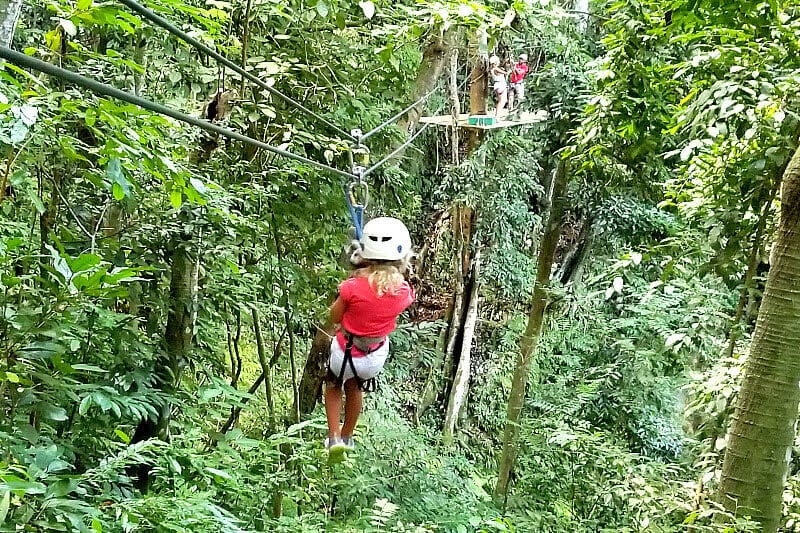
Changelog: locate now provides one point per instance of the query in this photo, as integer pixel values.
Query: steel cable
(164, 23)
(390, 121)
(23, 60)
(410, 140)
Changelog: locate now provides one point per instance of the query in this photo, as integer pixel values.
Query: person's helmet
(385, 239)
(523, 57)
(494, 60)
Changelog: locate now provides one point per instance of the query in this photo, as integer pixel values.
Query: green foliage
(676, 131)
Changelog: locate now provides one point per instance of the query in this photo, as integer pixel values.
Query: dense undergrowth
(105, 208)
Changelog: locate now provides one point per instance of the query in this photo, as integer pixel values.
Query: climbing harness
(366, 385)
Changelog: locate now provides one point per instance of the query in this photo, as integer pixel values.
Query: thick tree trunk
(245, 44)
(182, 309)
(533, 331)
(458, 393)
(9, 10)
(434, 60)
(582, 14)
(140, 58)
(462, 221)
(762, 430)
(572, 267)
(478, 89)
(293, 366)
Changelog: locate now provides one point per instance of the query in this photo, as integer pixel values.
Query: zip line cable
(95, 86)
(397, 150)
(390, 121)
(171, 28)
(410, 140)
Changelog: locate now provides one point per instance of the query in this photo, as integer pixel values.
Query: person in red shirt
(518, 74)
(366, 310)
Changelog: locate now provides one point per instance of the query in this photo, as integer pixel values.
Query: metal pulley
(359, 151)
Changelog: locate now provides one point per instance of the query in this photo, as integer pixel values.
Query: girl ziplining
(366, 312)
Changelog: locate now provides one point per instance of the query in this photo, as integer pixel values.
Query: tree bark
(533, 331)
(582, 14)
(458, 393)
(572, 266)
(434, 59)
(462, 221)
(762, 430)
(140, 57)
(265, 368)
(178, 337)
(182, 309)
(315, 369)
(456, 106)
(293, 366)
(245, 44)
(478, 89)
(10, 10)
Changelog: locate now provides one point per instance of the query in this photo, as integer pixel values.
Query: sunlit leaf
(368, 7)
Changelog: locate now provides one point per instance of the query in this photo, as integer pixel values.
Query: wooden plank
(526, 117)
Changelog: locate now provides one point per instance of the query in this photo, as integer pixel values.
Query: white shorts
(519, 90)
(367, 366)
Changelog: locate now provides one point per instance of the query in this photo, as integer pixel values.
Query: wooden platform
(526, 117)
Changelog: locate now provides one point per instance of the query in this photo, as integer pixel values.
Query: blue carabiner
(356, 209)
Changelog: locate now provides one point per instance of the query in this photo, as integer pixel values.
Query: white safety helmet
(494, 60)
(523, 57)
(385, 239)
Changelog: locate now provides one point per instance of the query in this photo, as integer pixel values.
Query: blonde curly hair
(385, 277)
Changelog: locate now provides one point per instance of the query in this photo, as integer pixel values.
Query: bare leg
(352, 407)
(501, 103)
(333, 409)
(510, 98)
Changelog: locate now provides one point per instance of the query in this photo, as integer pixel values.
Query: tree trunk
(434, 59)
(265, 369)
(572, 266)
(314, 372)
(293, 366)
(458, 393)
(462, 221)
(178, 337)
(456, 106)
(10, 10)
(245, 44)
(582, 15)
(762, 430)
(533, 331)
(182, 309)
(140, 58)
(478, 89)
